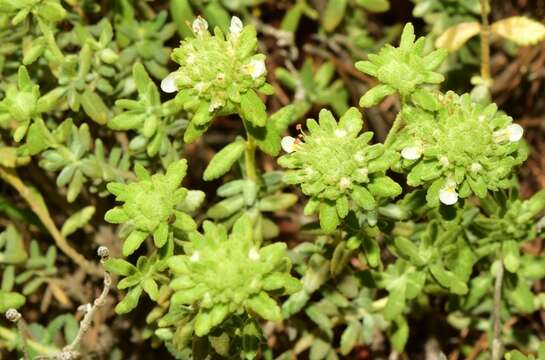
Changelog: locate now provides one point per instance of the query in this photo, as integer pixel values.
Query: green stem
(496, 346)
(394, 129)
(249, 158)
(485, 41)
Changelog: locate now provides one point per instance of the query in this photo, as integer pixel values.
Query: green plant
(113, 133)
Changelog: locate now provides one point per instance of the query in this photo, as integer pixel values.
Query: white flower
(359, 157)
(253, 254)
(215, 104)
(200, 86)
(345, 183)
(199, 26)
(515, 132)
(236, 27)
(195, 257)
(340, 133)
(411, 152)
(288, 144)
(448, 194)
(255, 68)
(476, 167)
(168, 84)
(511, 133)
(444, 161)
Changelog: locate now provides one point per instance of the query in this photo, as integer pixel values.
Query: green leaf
(375, 5)
(448, 279)
(129, 302)
(375, 95)
(399, 334)
(119, 267)
(511, 255)
(322, 320)
(94, 107)
(222, 162)
(408, 249)
(77, 220)
(350, 337)
(38, 138)
(253, 109)
(264, 306)
(329, 219)
(10, 300)
(333, 14)
(226, 208)
(277, 202)
(363, 198)
(133, 242)
(384, 187)
(182, 14)
(396, 301)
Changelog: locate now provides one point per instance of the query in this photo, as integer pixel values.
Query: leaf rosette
(336, 166)
(223, 274)
(404, 70)
(463, 148)
(150, 206)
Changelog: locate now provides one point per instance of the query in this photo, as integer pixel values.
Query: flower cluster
(218, 74)
(225, 275)
(462, 148)
(404, 70)
(150, 206)
(335, 165)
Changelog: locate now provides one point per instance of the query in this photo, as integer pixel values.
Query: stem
(39, 208)
(90, 310)
(497, 348)
(393, 130)
(249, 158)
(485, 41)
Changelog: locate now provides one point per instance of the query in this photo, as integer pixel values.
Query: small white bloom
(448, 194)
(515, 132)
(168, 84)
(253, 254)
(199, 26)
(255, 68)
(412, 152)
(200, 86)
(288, 144)
(215, 104)
(340, 133)
(444, 161)
(236, 27)
(362, 175)
(359, 157)
(345, 183)
(476, 167)
(195, 257)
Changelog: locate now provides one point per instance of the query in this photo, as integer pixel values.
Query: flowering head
(463, 148)
(216, 72)
(225, 274)
(336, 166)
